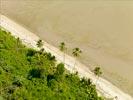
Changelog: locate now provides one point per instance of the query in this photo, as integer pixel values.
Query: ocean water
(102, 29)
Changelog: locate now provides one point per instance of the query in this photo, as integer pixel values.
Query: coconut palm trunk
(97, 71)
(63, 49)
(74, 67)
(76, 53)
(64, 57)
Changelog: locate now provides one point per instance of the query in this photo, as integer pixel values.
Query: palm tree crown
(76, 52)
(97, 71)
(62, 46)
(39, 43)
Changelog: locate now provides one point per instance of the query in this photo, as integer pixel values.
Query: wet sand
(103, 30)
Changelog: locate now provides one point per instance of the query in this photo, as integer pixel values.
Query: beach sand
(102, 29)
(104, 87)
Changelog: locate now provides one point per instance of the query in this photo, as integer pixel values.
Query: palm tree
(76, 53)
(97, 71)
(63, 48)
(39, 43)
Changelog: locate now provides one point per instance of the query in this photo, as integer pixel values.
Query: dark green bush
(36, 73)
(60, 69)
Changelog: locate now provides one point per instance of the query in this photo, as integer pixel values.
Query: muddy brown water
(102, 29)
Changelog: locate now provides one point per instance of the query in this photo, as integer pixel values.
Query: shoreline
(29, 39)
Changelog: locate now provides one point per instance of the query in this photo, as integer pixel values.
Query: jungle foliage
(27, 74)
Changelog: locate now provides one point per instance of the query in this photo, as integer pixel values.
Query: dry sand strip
(30, 39)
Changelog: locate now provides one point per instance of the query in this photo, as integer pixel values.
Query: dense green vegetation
(27, 74)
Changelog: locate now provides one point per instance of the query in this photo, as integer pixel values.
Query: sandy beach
(29, 38)
(102, 29)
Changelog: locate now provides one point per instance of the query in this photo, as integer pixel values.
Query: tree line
(75, 52)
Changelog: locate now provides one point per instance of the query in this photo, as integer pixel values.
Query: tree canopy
(27, 74)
